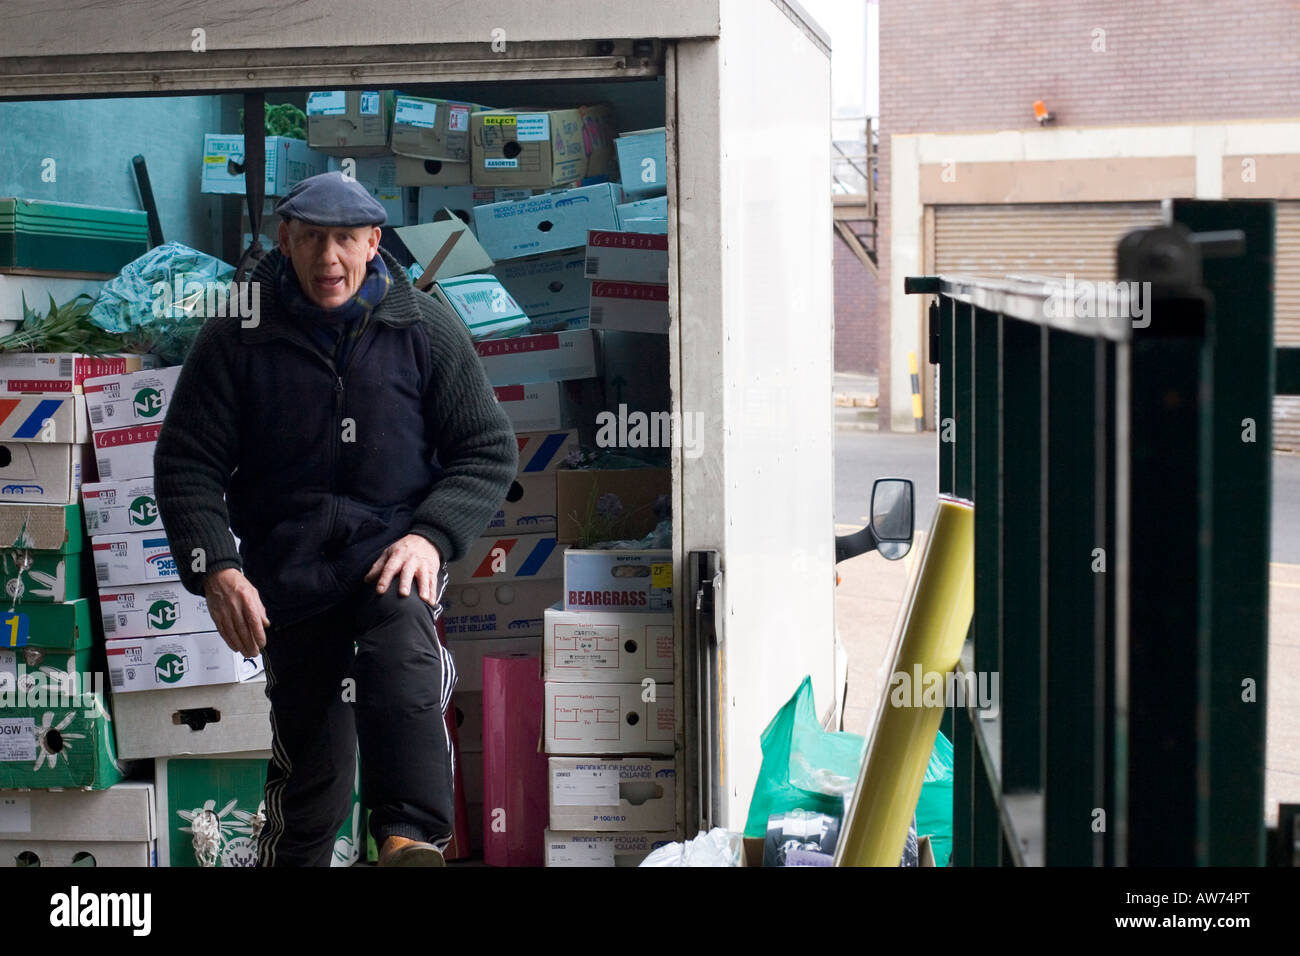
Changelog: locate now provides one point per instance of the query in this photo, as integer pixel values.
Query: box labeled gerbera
(618, 580)
(116, 507)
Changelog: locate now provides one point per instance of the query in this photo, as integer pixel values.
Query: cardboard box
(546, 223)
(431, 128)
(607, 646)
(209, 719)
(124, 813)
(549, 406)
(627, 257)
(468, 709)
(542, 453)
(41, 527)
(642, 209)
(349, 122)
(482, 303)
(232, 786)
(138, 557)
(122, 453)
(573, 848)
(45, 656)
(530, 359)
(48, 418)
(116, 507)
(629, 307)
(447, 245)
(630, 515)
(101, 853)
(529, 508)
(498, 609)
(620, 580)
(461, 199)
(288, 162)
(34, 372)
(541, 148)
(147, 610)
(41, 576)
(136, 398)
(44, 747)
(652, 227)
(468, 656)
(500, 558)
(599, 793)
(378, 174)
(607, 719)
(643, 162)
(176, 660)
(413, 171)
(550, 288)
(40, 472)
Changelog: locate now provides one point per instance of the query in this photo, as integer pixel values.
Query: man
(360, 449)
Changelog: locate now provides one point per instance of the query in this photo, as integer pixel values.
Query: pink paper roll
(515, 809)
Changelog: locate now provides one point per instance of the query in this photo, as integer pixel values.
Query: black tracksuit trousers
(388, 697)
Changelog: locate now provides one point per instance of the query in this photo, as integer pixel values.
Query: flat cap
(331, 199)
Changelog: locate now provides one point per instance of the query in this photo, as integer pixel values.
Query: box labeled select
(607, 646)
(541, 148)
(607, 719)
(602, 793)
(618, 580)
(546, 223)
(43, 472)
(176, 660)
(117, 507)
(136, 398)
(576, 848)
(530, 359)
(629, 307)
(141, 557)
(288, 162)
(149, 610)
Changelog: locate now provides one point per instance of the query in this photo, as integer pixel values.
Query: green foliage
(284, 119)
(66, 328)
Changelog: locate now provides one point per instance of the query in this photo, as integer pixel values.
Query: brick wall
(857, 306)
(948, 65)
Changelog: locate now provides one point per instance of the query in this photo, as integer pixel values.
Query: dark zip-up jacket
(324, 467)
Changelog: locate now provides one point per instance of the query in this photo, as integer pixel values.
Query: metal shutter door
(1286, 318)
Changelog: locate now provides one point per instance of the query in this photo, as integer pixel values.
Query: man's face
(330, 261)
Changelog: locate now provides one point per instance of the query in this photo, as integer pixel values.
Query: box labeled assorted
(549, 288)
(546, 406)
(349, 122)
(136, 398)
(209, 719)
(232, 786)
(611, 503)
(574, 848)
(643, 162)
(40, 472)
(531, 359)
(122, 453)
(541, 148)
(498, 558)
(607, 646)
(143, 557)
(288, 162)
(529, 507)
(482, 303)
(431, 128)
(176, 660)
(469, 654)
(626, 256)
(618, 580)
(113, 827)
(629, 307)
(34, 372)
(46, 417)
(600, 793)
(146, 610)
(117, 507)
(65, 746)
(547, 223)
(378, 174)
(608, 719)
(512, 608)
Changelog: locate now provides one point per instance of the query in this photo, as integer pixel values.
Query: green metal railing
(1119, 461)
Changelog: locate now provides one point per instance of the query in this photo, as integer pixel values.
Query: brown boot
(400, 851)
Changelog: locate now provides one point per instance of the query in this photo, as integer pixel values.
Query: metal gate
(1118, 455)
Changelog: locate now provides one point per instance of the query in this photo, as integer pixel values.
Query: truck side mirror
(892, 517)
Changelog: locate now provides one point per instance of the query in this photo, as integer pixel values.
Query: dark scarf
(335, 331)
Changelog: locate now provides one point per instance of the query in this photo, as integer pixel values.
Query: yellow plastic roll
(938, 618)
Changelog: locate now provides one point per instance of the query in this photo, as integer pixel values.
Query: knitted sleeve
(476, 445)
(197, 451)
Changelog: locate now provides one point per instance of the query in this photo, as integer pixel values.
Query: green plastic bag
(934, 808)
(804, 767)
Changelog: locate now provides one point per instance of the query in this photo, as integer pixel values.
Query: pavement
(870, 596)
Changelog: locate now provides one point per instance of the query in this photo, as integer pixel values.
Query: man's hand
(410, 558)
(237, 610)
